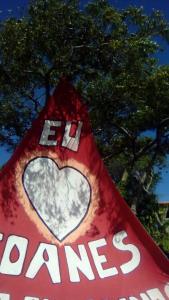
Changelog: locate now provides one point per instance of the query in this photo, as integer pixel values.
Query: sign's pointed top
(66, 102)
(64, 82)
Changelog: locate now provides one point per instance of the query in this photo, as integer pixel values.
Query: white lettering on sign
(75, 263)
(48, 132)
(4, 296)
(155, 294)
(144, 296)
(31, 298)
(7, 297)
(45, 255)
(167, 289)
(49, 138)
(152, 294)
(130, 298)
(19, 245)
(100, 259)
(118, 243)
(70, 142)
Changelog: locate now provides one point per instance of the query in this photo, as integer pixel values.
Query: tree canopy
(111, 57)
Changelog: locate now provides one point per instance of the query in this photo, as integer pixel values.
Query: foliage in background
(110, 57)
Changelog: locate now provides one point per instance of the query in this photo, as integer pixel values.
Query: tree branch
(123, 130)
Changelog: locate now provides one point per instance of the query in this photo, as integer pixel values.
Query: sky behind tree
(17, 8)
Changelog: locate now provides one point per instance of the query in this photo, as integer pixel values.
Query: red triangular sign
(65, 232)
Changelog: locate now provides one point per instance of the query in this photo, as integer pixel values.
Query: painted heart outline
(61, 196)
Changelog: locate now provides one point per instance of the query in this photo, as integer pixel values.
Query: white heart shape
(61, 197)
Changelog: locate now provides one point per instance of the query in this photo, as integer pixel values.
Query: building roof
(164, 203)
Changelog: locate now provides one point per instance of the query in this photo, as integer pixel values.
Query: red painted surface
(107, 217)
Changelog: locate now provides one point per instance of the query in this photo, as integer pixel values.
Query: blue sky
(18, 7)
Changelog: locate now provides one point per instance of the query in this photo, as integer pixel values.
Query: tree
(110, 56)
